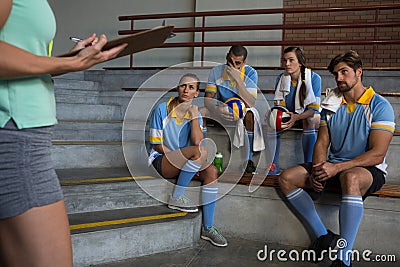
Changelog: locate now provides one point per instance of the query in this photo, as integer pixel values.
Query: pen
(75, 39)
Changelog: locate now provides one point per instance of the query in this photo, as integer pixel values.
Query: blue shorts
(27, 176)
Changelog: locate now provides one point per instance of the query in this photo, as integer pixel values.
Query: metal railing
(203, 29)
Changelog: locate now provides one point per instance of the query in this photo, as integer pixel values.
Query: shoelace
(184, 199)
(214, 230)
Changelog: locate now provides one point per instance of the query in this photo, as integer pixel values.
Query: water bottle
(218, 161)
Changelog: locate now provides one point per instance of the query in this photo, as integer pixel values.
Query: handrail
(273, 27)
(255, 12)
(203, 29)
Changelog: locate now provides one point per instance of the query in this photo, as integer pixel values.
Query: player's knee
(350, 180)
(196, 152)
(311, 122)
(203, 152)
(285, 181)
(210, 175)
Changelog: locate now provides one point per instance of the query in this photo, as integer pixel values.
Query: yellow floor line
(124, 221)
(99, 180)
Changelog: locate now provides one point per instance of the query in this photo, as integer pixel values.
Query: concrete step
(87, 154)
(76, 91)
(79, 111)
(86, 130)
(96, 189)
(120, 97)
(78, 75)
(76, 84)
(115, 235)
(76, 96)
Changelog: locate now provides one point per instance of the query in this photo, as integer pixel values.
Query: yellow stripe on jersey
(156, 139)
(384, 127)
(281, 103)
(323, 123)
(313, 106)
(211, 88)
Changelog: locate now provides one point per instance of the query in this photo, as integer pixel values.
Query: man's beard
(348, 87)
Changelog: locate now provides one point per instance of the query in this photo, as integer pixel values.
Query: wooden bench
(387, 190)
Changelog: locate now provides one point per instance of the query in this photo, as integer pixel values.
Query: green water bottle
(218, 161)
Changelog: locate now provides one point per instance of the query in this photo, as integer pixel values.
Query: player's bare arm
(319, 157)
(196, 134)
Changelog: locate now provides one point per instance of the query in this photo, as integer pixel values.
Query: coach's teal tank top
(29, 101)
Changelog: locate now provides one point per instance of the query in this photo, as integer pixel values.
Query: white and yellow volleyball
(236, 107)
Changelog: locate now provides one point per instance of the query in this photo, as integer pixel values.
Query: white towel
(283, 89)
(332, 100)
(238, 138)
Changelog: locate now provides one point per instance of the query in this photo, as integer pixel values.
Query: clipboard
(137, 42)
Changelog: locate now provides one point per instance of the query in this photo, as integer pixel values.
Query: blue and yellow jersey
(290, 98)
(169, 130)
(219, 82)
(350, 126)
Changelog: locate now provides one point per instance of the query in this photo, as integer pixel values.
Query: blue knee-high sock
(274, 142)
(350, 214)
(250, 135)
(205, 132)
(303, 203)
(209, 197)
(308, 140)
(188, 171)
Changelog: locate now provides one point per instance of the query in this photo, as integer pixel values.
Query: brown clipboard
(137, 42)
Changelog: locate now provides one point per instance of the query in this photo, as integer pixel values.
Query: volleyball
(277, 116)
(236, 107)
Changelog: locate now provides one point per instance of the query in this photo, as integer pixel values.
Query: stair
(112, 218)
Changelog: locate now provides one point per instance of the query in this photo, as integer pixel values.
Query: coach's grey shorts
(27, 176)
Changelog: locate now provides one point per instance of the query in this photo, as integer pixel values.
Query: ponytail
(303, 91)
(172, 105)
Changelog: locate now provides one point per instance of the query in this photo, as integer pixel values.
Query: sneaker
(274, 170)
(182, 203)
(214, 236)
(250, 167)
(339, 263)
(324, 242)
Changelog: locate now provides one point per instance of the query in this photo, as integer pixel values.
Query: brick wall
(387, 55)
